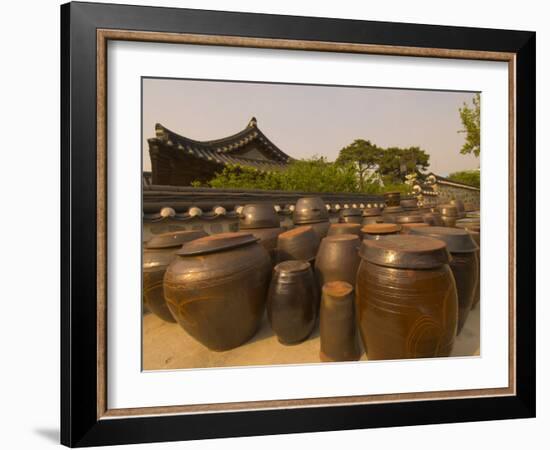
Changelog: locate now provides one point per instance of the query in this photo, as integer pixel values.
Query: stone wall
(448, 192)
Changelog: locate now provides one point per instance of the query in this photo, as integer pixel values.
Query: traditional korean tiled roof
(162, 203)
(227, 150)
(432, 179)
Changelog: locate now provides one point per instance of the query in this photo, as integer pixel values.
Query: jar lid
(410, 218)
(448, 210)
(349, 212)
(292, 266)
(457, 239)
(467, 223)
(406, 252)
(258, 215)
(370, 212)
(344, 228)
(216, 243)
(337, 289)
(310, 210)
(381, 228)
(174, 239)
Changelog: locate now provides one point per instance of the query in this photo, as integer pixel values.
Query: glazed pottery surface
(310, 210)
(464, 264)
(379, 230)
(406, 298)
(216, 288)
(433, 219)
(370, 212)
(350, 215)
(158, 253)
(292, 301)
(409, 204)
(345, 228)
(320, 229)
(267, 238)
(407, 227)
(391, 213)
(459, 205)
(337, 259)
(338, 330)
(300, 243)
(258, 215)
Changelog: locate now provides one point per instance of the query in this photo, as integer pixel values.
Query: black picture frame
(80, 425)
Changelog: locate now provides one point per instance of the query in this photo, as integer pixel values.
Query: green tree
(470, 177)
(363, 155)
(396, 163)
(470, 117)
(310, 175)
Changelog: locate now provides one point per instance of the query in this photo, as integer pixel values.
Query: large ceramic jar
(472, 226)
(433, 218)
(337, 325)
(158, 253)
(216, 288)
(291, 301)
(300, 243)
(406, 299)
(372, 215)
(459, 205)
(345, 228)
(464, 264)
(449, 215)
(312, 211)
(409, 204)
(337, 259)
(350, 215)
(407, 221)
(376, 231)
(391, 213)
(263, 222)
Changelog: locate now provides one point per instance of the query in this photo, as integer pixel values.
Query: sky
(305, 120)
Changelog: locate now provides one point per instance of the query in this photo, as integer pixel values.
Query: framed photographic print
(272, 224)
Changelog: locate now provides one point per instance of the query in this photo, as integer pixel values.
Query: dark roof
(443, 180)
(225, 151)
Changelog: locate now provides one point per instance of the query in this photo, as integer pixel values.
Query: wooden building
(178, 161)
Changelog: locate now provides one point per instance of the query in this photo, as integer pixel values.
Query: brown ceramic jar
(407, 221)
(406, 298)
(459, 205)
(376, 231)
(464, 264)
(216, 288)
(258, 215)
(372, 215)
(158, 253)
(337, 259)
(409, 204)
(433, 218)
(472, 225)
(391, 213)
(338, 330)
(300, 243)
(291, 301)
(449, 215)
(310, 210)
(350, 215)
(345, 228)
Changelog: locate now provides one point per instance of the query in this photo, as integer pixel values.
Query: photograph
(288, 223)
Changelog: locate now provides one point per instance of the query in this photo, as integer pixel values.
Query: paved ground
(168, 346)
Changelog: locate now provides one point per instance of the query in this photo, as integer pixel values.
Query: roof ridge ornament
(253, 122)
